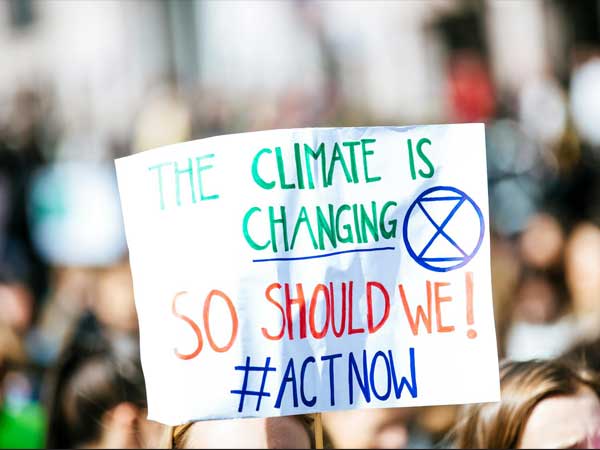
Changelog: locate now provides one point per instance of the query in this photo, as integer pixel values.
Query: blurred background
(84, 82)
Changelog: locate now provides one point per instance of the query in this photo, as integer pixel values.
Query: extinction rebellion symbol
(456, 224)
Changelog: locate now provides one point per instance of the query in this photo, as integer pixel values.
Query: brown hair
(175, 437)
(523, 386)
(93, 374)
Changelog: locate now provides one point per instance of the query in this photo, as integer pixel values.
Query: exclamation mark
(471, 333)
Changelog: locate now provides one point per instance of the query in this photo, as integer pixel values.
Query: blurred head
(539, 298)
(582, 265)
(12, 353)
(272, 432)
(369, 428)
(97, 395)
(113, 304)
(545, 404)
(16, 304)
(542, 241)
(165, 118)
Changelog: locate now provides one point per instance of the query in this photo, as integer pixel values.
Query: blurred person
(375, 428)
(506, 272)
(70, 289)
(22, 420)
(582, 266)
(297, 108)
(113, 303)
(96, 396)
(212, 114)
(16, 305)
(542, 241)
(22, 417)
(538, 328)
(165, 118)
(271, 432)
(11, 349)
(470, 88)
(25, 136)
(538, 299)
(431, 424)
(586, 354)
(545, 404)
(540, 324)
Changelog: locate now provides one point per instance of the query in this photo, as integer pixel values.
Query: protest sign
(305, 270)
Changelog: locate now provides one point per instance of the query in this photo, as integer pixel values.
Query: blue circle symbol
(444, 239)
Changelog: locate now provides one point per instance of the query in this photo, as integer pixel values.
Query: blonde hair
(523, 386)
(176, 437)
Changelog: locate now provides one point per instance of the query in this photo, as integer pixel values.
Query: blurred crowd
(68, 326)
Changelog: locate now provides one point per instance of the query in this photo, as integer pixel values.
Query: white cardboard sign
(305, 270)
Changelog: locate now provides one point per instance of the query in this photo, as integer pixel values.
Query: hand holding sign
(305, 270)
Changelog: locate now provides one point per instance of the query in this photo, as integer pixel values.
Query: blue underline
(325, 255)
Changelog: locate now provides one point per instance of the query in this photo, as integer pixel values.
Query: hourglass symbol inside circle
(443, 229)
